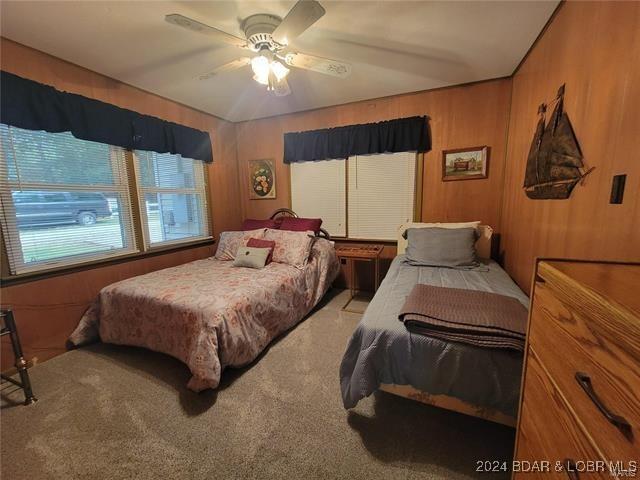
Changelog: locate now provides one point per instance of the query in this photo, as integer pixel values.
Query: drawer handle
(619, 422)
(570, 469)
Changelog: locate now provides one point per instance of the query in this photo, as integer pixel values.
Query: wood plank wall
(593, 47)
(48, 310)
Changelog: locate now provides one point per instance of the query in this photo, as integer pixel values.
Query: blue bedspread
(382, 351)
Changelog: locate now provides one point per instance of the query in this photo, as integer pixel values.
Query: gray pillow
(251, 257)
(442, 247)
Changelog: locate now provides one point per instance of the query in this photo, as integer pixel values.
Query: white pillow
(251, 257)
(443, 225)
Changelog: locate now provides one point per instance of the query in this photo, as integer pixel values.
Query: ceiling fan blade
(327, 66)
(282, 88)
(303, 14)
(227, 67)
(194, 25)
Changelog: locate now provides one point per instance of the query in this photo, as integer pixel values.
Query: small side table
(9, 328)
(363, 253)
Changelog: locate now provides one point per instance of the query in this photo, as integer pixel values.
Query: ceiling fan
(269, 36)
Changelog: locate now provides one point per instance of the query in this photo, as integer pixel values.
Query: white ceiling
(394, 47)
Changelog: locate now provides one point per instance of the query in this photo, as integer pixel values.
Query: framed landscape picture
(262, 179)
(465, 163)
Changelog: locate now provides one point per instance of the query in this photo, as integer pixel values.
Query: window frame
(417, 201)
(140, 192)
(135, 230)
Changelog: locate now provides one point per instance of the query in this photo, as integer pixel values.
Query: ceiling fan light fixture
(261, 80)
(279, 70)
(266, 71)
(260, 66)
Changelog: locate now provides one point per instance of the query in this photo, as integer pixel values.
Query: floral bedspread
(208, 313)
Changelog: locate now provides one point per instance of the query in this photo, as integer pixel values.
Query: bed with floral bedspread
(208, 313)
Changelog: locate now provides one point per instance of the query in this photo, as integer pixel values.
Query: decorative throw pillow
(231, 241)
(292, 248)
(259, 243)
(251, 257)
(442, 247)
(253, 224)
(301, 224)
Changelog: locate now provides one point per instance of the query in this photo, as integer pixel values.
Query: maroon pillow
(253, 224)
(259, 243)
(301, 224)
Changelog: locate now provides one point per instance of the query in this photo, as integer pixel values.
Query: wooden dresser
(580, 402)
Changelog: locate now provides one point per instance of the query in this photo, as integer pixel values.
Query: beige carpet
(118, 412)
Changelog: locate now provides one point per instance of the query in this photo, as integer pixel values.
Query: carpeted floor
(117, 412)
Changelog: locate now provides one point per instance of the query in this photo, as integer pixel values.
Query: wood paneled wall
(463, 116)
(48, 310)
(593, 47)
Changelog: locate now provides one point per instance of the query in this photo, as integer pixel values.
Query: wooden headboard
(287, 212)
(483, 244)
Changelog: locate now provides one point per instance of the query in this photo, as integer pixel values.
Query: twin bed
(383, 355)
(210, 315)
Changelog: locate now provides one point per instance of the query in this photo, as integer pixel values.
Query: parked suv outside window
(54, 208)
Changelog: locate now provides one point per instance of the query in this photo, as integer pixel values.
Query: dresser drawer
(548, 431)
(582, 360)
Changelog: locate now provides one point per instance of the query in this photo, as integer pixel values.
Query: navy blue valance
(401, 135)
(35, 106)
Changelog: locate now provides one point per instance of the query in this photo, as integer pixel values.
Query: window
(67, 201)
(381, 194)
(318, 190)
(173, 198)
(363, 197)
(64, 200)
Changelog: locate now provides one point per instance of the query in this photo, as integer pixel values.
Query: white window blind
(173, 197)
(64, 200)
(318, 190)
(381, 194)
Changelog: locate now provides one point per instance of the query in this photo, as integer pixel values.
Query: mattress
(208, 313)
(382, 351)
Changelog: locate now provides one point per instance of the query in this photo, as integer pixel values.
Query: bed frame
(287, 212)
(483, 247)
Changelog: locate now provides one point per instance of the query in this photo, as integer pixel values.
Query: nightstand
(362, 253)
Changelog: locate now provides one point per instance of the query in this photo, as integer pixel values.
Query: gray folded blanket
(469, 316)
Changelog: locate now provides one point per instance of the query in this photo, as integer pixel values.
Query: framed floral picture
(465, 163)
(262, 179)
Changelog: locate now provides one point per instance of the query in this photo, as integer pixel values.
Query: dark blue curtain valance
(401, 135)
(34, 106)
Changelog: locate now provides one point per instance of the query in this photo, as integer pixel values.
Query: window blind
(318, 190)
(173, 198)
(64, 200)
(380, 195)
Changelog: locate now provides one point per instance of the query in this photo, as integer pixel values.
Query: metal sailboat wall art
(554, 165)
